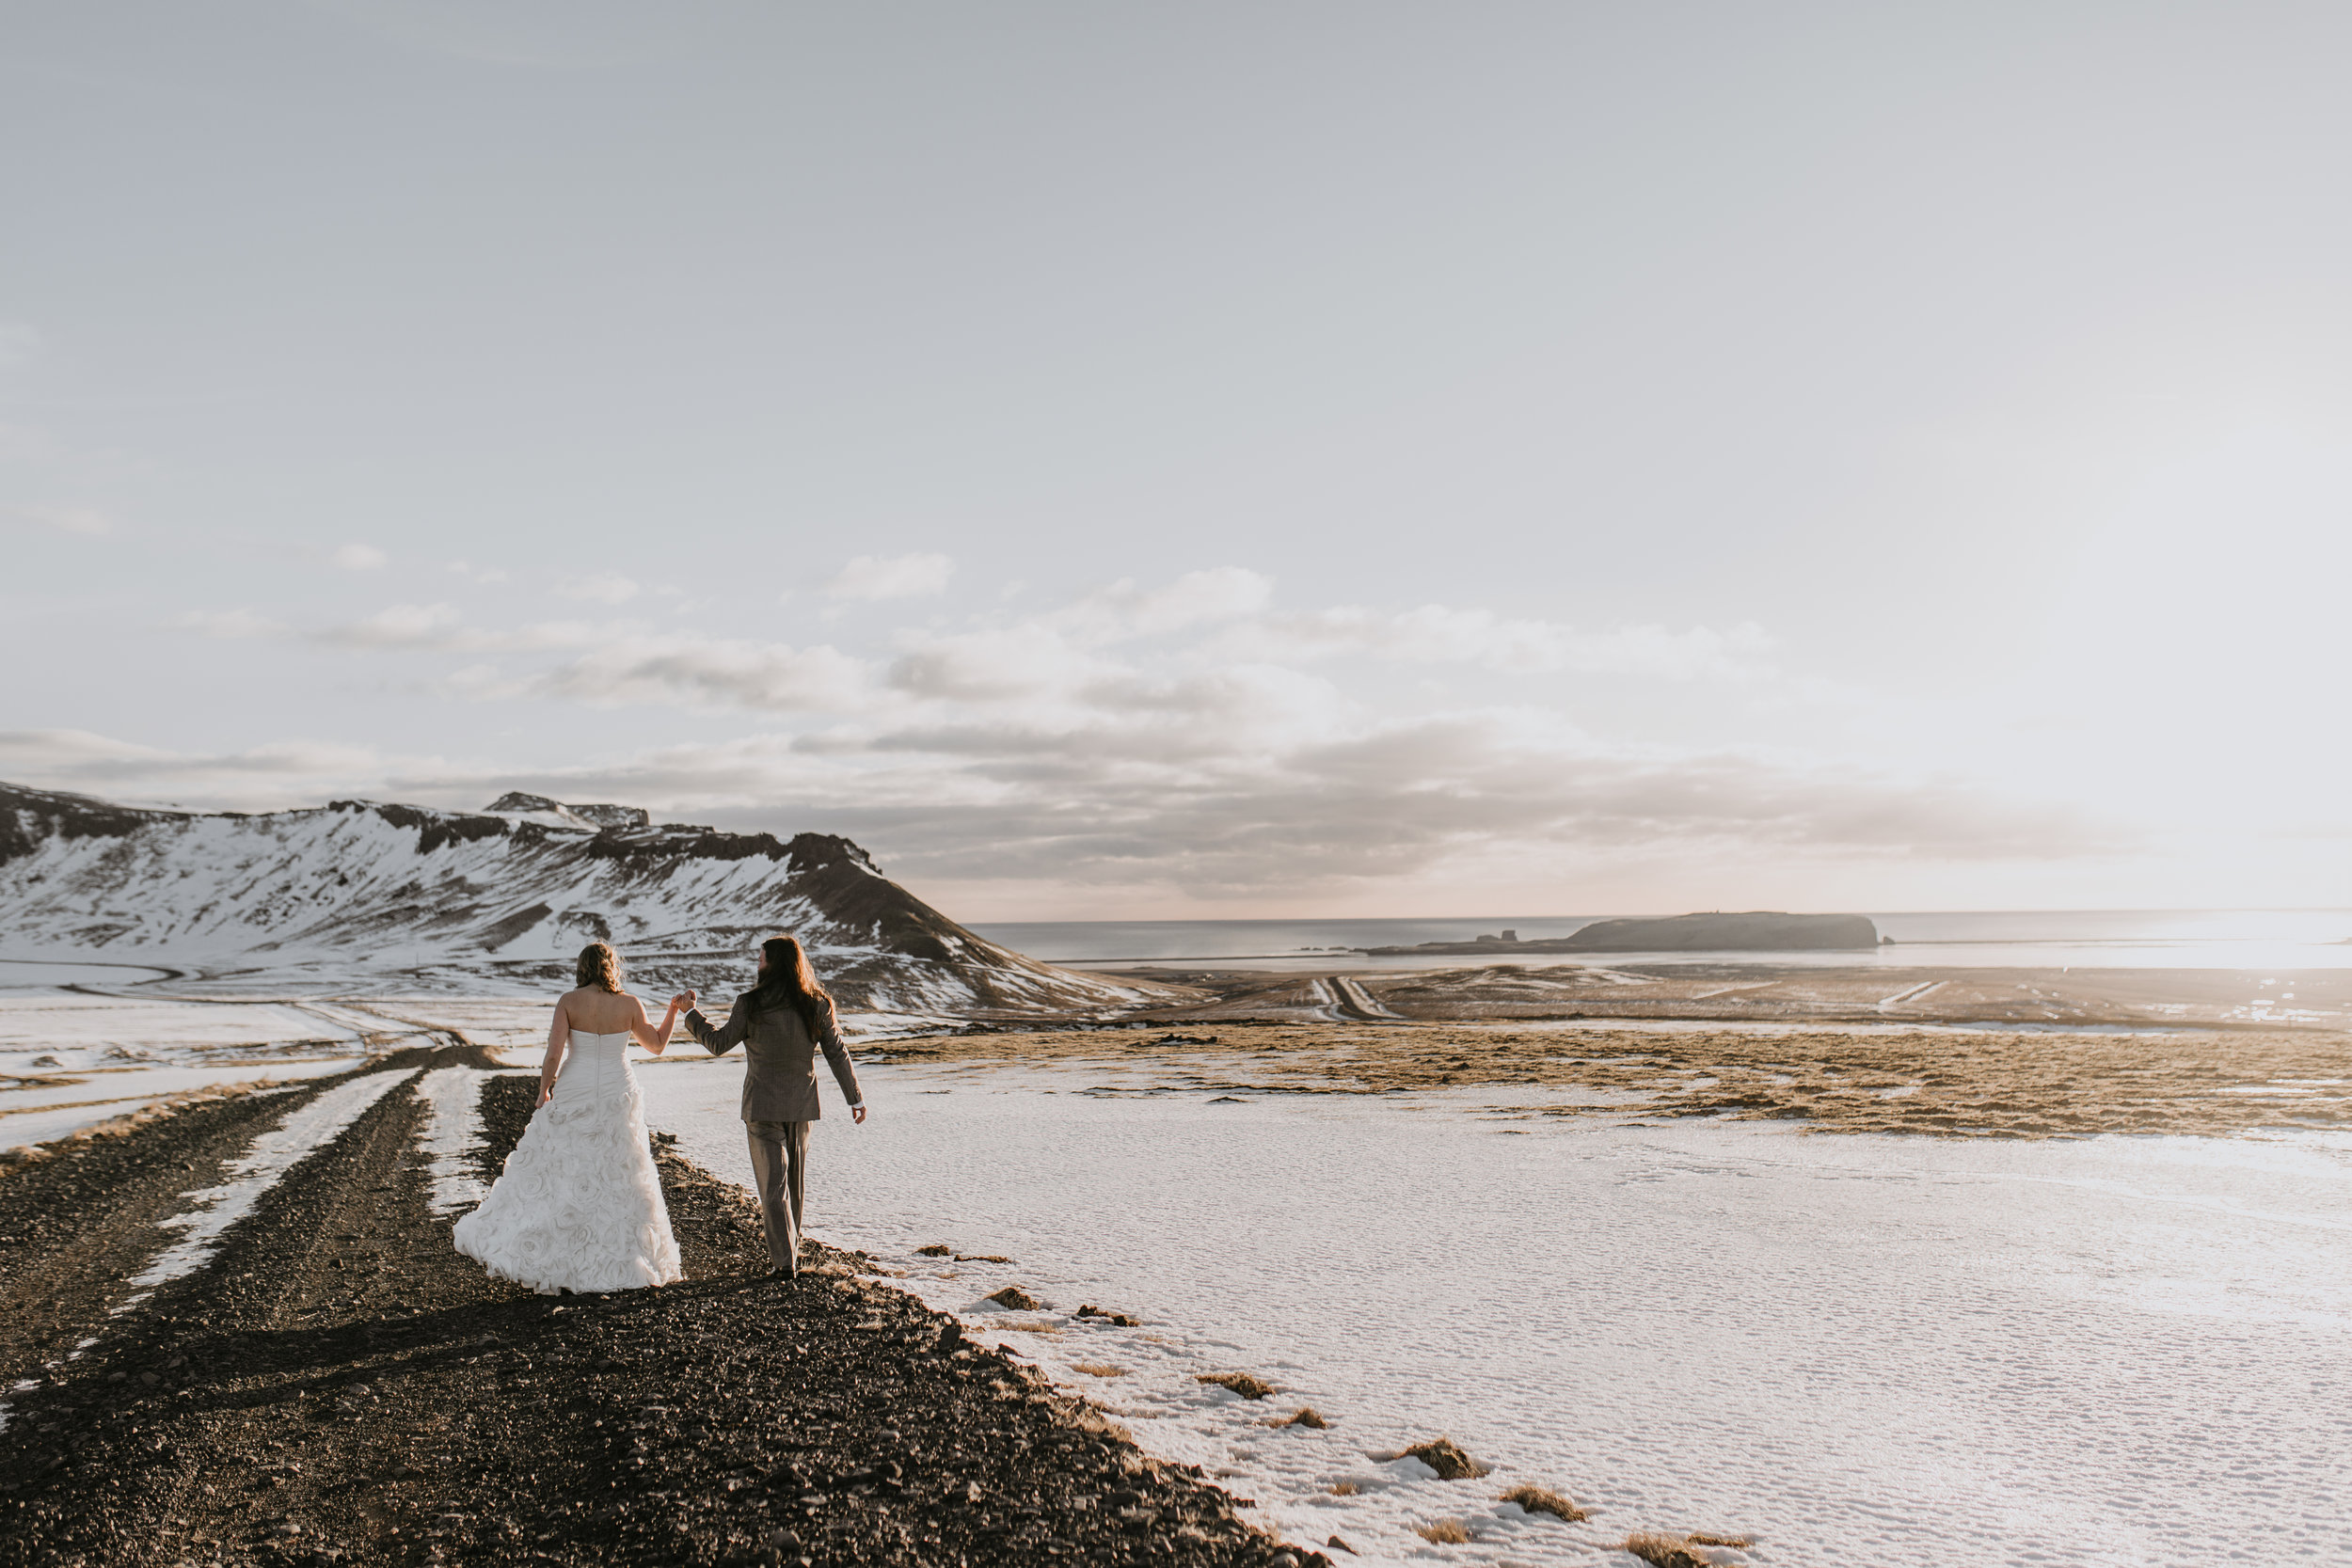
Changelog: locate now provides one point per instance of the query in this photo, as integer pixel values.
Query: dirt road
(335, 1385)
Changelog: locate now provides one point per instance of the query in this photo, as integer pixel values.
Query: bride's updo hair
(599, 966)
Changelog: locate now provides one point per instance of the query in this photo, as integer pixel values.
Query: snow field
(49, 1111)
(452, 1128)
(97, 1031)
(2120, 1350)
(69, 1062)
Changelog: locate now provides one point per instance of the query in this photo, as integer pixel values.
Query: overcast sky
(1208, 459)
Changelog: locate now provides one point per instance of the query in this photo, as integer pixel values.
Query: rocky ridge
(360, 891)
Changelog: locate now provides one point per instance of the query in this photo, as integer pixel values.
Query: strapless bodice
(595, 1063)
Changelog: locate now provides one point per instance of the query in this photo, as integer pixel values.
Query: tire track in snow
(1324, 1001)
(454, 1132)
(300, 1134)
(1355, 1001)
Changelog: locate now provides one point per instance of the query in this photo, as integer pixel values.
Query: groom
(779, 1101)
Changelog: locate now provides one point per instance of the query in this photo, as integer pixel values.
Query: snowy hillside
(357, 888)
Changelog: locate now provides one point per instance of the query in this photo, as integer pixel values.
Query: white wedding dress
(579, 1206)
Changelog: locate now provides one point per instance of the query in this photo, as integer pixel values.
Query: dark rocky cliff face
(1760, 932)
(597, 815)
(30, 818)
(486, 896)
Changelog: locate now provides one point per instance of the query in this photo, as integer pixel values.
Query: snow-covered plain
(1866, 1349)
(69, 1061)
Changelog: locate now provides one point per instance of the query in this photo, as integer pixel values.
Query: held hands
(682, 1001)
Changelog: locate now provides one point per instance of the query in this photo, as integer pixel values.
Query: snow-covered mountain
(383, 895)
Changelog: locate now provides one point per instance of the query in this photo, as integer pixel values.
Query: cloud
(230, 625)
(991, 665)
(439, 628)
(24, 443)
(85, 520)
(1193, 735)
(1199, 808)
(598, 587)
(482, 683)
(1061, 650)
(896, 577)
(19, 342)
(358, 558)
(1123, 612)
(283, 773)
(1221, 594)
(1392, 802)
(1439, 634)
(707, 673)
(481, 577)
(399, 625)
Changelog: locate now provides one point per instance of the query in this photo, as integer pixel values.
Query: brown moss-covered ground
(1828, 1078)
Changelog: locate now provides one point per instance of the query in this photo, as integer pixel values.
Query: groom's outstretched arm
(721, 1039)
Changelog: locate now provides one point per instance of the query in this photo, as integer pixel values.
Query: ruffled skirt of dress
(579, 1205)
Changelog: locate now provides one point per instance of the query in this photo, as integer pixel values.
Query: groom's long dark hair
(791, 983)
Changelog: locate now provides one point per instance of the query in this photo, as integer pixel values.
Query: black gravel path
(340, 1386)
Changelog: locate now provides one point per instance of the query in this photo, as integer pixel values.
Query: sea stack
(1756, 931)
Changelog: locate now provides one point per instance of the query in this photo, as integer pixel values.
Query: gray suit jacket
(780, 1075)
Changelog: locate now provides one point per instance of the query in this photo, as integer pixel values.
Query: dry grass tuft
(1244, 1384)
(1012, 1298)
(1444, 1457)
(1444, 1532)
(937, 1249)
(1674, 1551)
(1098, 1369)
(1345, 1489)
(1305, 1415)
(980, 1257)
(1534, 1500)
(1027, 1328)
(2022, 1085)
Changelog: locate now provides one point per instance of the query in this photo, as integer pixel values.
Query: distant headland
(1756, 931)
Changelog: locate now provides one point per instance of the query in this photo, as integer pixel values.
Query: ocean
(2088, 939)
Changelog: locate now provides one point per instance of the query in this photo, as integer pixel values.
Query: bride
(579, 1205)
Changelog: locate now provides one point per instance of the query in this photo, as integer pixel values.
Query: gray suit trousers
(780, 1172)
